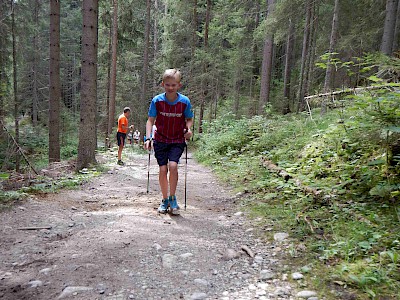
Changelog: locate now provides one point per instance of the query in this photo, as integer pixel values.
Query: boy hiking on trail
(173, 112)
(121, 132)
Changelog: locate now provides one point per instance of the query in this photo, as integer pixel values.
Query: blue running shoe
(163, 206)
(173, 204)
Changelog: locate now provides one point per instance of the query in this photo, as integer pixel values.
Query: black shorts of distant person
(121, 138)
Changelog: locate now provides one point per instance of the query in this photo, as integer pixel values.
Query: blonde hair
(173, 74)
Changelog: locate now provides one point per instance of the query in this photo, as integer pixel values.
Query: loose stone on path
(230, 254)
(35, 283)
(280, 236)
(201, 282)
(198, 296)
(297, 276)
(266, 275)
(168, 260)
(306, 294)
(70, 290)
(186, 255)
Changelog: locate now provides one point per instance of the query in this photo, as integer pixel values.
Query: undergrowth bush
(348, 156)
(34, 143)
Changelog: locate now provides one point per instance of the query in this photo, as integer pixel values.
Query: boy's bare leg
(162, 178)
(173, 177)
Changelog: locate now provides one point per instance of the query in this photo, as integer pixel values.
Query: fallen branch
(353, 90)
(247, 250)
(19, 149)
(309, 224)
(285, 175)
(272, 167)
(35, 228)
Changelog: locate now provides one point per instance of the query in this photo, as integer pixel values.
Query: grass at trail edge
(347, 241)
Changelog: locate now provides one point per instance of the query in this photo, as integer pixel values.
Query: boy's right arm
(149, 125)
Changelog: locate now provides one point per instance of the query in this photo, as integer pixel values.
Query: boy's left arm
(188, 132)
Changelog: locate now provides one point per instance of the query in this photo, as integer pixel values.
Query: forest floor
(107, 241)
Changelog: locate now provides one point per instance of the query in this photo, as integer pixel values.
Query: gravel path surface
(107, 241)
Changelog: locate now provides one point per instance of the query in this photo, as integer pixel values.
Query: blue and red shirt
(171, 117)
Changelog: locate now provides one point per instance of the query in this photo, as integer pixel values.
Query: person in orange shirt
(122, 131)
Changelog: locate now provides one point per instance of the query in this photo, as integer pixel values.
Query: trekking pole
(186, 158)
(148, 166)
(148, 173)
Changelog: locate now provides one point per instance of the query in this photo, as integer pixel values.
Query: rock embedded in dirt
(230, 254)
(258, 259)
(266, 275)
(282, 291)
(45, 271)
(198, 296)
(186, 255)
(168, 260)
(306, 294)
(157, 246)
(297, 276)
(71, 290)
(201, 282)
(35, 283)
(280, 236)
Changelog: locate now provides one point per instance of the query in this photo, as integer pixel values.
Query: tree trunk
(155, 42)
(3, 81)
(389, 27)
(313, 41)
(193, 46)
(288, 66)
(204, 83)
(54, 82)
(332, 46)
(143, 96)
(255, 66)
(107, 143)
(217, 95)
(236, 101)
(16, 104)
(266, 68)
(35, 91)
(113, 70)
(87, 133)
(396, 30)
(304, 54)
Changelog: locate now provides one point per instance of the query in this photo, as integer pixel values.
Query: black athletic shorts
(121, 138)
(168, 152)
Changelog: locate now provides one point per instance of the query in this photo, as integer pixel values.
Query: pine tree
(87, 126)
(54, 82)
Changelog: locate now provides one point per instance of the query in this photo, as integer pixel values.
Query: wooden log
(354, 90)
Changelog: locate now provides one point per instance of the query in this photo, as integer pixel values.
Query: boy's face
(171, 86)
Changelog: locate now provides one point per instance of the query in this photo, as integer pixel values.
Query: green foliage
(47, 185)
(353, 224)
(10, 197)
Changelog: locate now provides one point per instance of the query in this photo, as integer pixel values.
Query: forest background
(251, 68)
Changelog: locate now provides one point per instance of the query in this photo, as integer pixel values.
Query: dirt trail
(107, 242)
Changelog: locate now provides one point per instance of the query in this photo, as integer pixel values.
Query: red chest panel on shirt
(170, 122)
